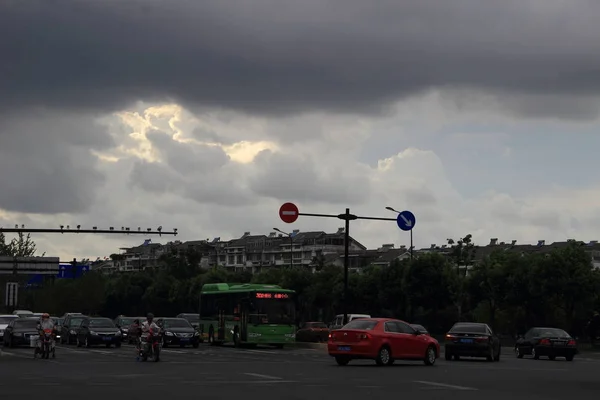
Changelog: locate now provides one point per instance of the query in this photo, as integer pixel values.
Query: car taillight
(545, 341)
(332, 336)
(571, 343)
(364, 336)
(482, 339)
(450, 337)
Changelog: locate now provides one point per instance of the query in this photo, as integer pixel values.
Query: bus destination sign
(260, 295)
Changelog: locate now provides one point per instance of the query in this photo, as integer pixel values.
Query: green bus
(249, 314)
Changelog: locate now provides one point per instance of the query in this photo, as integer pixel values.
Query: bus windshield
(273, 311)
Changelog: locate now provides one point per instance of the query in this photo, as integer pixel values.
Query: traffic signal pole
(66, 229)
(289, 213)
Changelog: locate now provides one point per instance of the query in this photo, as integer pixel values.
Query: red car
(383, 340)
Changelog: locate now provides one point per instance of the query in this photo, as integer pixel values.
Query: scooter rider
(44, 323)
(148, 326)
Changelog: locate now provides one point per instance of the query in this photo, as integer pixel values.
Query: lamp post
(291, 245)
(411, 234)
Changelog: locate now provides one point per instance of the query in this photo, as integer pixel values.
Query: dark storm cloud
(45, 162)
(290, 56)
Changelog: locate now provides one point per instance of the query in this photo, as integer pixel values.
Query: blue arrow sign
(406, 220)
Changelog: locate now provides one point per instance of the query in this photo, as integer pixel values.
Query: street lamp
(291, 245)
(411, 235)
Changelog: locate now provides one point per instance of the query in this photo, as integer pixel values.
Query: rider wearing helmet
(44, 323)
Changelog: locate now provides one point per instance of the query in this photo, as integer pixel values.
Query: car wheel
(534, 354)
(490, 356)
(448, 356)
(518, 352)
(552, 358)
(497, 357)
(87, 342)
(79, 344)
(342, 360)
(430, 356)
(384, 357)
(570, 358)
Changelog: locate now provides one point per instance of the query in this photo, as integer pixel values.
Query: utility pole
(291, 236)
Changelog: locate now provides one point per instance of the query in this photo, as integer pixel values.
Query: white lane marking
(369, 387)
(175, 351)
(71, 350)
(205, 383)
(260, 351)
(6, 353)
(511, 368)
(269, 377)
(444, 385)
(102, 352)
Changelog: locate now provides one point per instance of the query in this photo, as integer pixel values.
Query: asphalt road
(228, 373)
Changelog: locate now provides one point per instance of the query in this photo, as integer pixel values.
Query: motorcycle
(150, 346)
(46, 346)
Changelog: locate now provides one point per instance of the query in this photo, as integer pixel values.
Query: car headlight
(169, 333)
(92, 333)
(118, 333)
(196, 334)
(72, 332)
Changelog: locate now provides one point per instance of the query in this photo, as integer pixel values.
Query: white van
(338, 321)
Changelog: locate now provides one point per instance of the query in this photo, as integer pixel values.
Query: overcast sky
(480, 117)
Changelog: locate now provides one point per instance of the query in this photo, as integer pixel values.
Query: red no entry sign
(288, 213)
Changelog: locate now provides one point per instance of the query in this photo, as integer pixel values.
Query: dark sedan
(313, 332)
(18, 332)
(95, 331)
(546, 342)
(471, 339)
(178, 332)
(123, 323)
(420, 328)
(193, 319)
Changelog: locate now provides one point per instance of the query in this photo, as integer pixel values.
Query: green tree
(21, 246)
(487, 283)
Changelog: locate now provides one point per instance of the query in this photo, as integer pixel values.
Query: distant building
(310, 250)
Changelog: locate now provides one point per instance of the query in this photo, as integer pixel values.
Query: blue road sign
(406, 221)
